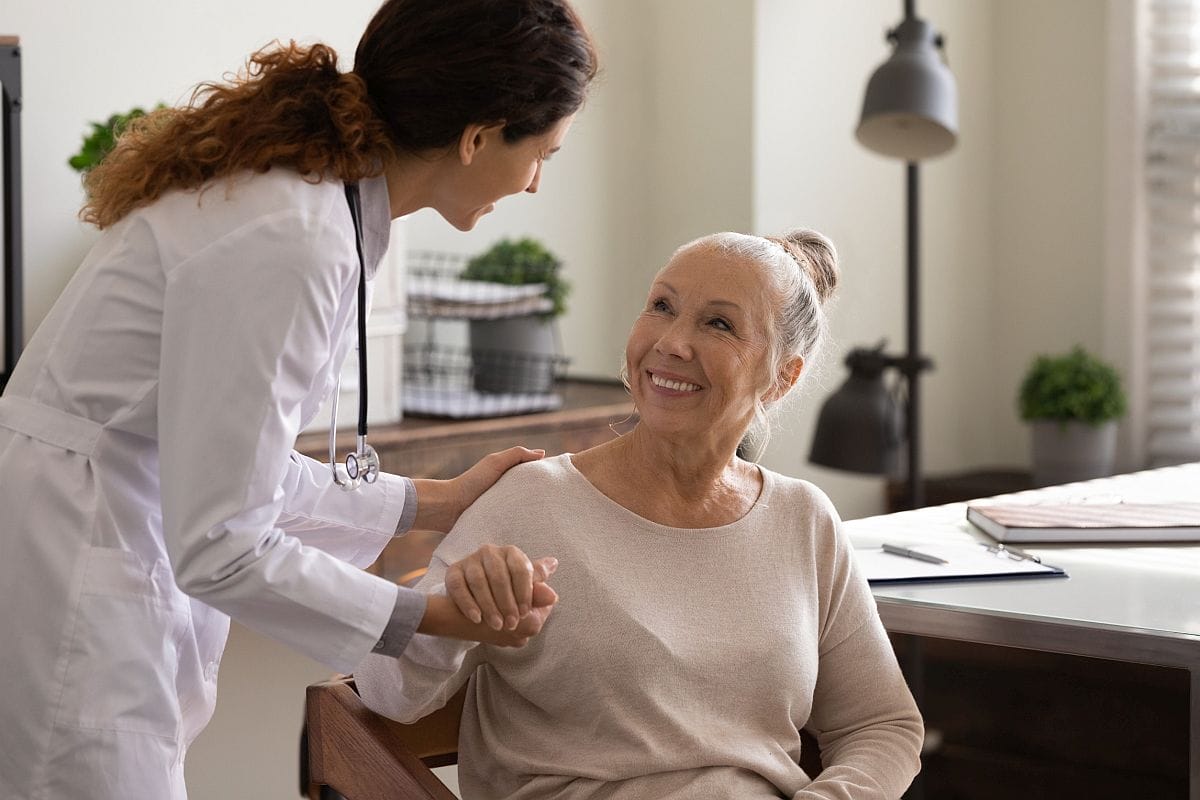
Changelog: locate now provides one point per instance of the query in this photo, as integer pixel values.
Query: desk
(1130, 603)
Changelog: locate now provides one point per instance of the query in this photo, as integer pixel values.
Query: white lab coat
(149, 491)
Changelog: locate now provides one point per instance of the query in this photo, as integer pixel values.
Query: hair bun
(816, 255)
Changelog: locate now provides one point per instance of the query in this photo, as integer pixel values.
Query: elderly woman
(709, 608)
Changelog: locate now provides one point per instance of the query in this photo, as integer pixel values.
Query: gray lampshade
(860, 427)
(910, 110)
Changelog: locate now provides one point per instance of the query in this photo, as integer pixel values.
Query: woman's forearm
(869, 729)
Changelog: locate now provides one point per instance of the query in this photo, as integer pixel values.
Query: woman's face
(485, 168)
(697, 355)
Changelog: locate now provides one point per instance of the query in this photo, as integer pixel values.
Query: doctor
(148, 487)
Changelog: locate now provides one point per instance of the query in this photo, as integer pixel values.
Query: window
(1171, 295)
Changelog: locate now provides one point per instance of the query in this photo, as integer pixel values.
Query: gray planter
(514, 355)
(1072, 451)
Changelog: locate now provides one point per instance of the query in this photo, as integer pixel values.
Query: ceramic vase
(1072, 451)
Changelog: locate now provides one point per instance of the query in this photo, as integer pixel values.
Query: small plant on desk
(1073, 402)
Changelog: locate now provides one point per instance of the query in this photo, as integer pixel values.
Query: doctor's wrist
(442, 618)
(438, 505)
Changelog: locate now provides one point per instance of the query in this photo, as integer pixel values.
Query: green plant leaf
(1072, 387)
(521, 262)
(102, 138)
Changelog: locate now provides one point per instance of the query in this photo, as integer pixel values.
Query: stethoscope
(362, 466)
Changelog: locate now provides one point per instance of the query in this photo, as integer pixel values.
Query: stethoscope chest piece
(363, 465)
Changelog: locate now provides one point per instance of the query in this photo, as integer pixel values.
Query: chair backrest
(364, 756)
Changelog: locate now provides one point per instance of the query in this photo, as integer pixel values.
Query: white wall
(660, 154)
(82, 63)
(1011, 218)
(1049, 169)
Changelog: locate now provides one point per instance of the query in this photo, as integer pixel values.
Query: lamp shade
(860, 426)
(910, 110)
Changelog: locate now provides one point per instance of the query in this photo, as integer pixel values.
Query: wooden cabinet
(592, 412)
(1004, 722)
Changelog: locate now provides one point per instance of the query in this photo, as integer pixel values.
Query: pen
(908, 552)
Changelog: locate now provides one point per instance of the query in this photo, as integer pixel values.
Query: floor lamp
(910, 112)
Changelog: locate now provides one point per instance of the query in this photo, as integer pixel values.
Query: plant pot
(514, 355)
(1072, 451)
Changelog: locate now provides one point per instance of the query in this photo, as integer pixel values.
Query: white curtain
(1172, 170)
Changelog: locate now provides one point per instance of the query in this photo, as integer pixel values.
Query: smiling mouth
(675, 386)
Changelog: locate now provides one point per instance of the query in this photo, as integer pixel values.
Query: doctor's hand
(498, 586)
(439, 503)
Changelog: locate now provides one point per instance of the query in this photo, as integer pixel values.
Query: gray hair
(803, 267)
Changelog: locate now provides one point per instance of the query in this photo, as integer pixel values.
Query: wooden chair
(364, 756)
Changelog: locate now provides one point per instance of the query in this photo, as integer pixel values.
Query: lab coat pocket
(123, 653)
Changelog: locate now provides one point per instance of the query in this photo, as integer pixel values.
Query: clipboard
(968, 561)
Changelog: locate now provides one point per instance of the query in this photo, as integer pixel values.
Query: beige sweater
(679, 663)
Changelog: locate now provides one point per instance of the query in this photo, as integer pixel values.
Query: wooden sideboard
(423, 447)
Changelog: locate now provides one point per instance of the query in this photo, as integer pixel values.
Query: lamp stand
(913, 364)
(910, 112)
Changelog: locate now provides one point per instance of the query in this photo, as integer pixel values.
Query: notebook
(1089, 522)
(966, 561)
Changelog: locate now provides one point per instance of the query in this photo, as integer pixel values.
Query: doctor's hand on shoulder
(441, 502)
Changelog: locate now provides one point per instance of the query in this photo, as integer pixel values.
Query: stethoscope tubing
(362, 466)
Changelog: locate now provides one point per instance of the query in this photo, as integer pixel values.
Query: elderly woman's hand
(495, 585)
(443, 617)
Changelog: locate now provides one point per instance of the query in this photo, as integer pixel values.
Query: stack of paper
(466, 404)
(443, 296)
(964, 560)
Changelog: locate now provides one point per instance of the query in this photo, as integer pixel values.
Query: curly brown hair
(291, 107)
(424, 70)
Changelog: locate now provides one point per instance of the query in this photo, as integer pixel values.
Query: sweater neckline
(761, 503)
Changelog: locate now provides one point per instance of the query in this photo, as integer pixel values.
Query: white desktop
(1135, 603)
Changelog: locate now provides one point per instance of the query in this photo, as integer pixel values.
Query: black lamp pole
(913, 363)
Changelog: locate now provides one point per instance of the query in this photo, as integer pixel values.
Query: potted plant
(1073, 402)
(517, 352)
(101, 139)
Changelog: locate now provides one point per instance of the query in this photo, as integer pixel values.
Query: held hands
(439, 503)
(496, 595)
(495, 585)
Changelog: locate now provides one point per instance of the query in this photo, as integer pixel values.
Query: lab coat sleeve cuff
(396, 494)
(408, 515)
(406, 616)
